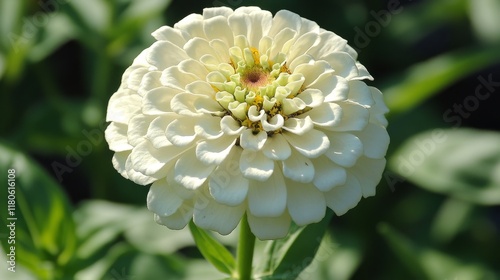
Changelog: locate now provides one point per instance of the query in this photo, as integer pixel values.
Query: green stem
(245, 250)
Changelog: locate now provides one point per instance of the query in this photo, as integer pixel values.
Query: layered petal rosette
(234, 112)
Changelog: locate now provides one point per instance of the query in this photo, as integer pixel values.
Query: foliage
(436, 214)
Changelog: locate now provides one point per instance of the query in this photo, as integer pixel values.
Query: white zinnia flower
(239, 111)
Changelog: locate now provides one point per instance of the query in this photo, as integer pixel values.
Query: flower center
(254, 78)
(259, 92)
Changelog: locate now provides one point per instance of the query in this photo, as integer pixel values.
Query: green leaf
(125, 262)
(200, 269)
(21, 272)
(338, 257)
(92, 15)
(288, 257)
(426, 263)
(212, 250)
(451, 219)
(404, 250)
(160, 239)
(144, 9)
(45, 231)
(58, 30)
(462, 163)
(99, 224)
(425, 79)
(485, 20)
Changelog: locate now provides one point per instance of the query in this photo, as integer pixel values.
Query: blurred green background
(436, 214)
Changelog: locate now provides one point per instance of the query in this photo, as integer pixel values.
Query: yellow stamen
(256, 55)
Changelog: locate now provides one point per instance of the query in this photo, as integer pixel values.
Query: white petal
(230, 126)
(312, 97)
(116, 136)
(216, 11)
(148, 160)
(277, 148)
(303, 44)
(334, 88)
(119, 161)
(345, 149)
(327, 174)
(375, 140)
(162, 200)
(167, 33)
(157, 101)
(329, 42)
(239, 23)
(368, 172)
(190, 172)
(214, 151)
(192, 24)
(313, 71)
(193, 67)
(354, 117)
(291, 106)
(175, 78)
(201, 88)
(302, 59)
(326, 115)
(179, 219)
(218, 28)
(274, 123)
(164, 54)
(378, 109)
(298, 126)
(180, 132)
(135, 77)
(183, 104)
(256, 166)
(360, 93)
(298, 168)
(284, 19)
(342, 198)
(312, 144)
(133, 67)
(308, 26)
(137, 129)
(282, 42)
(220, 48)
(251, 141)
(352, 52)
(363, 73)
(269, 228)
(156, 131)
(227, 185)
(136, 176)
(198, 47)
(140, 60)
(122, 106)
(268, 199)
(179, 189)
(247, 9)
(149, 82)
(215, 216)
(208, 127)
(306, 204)
(343, 64)
(255, 115)
(261, 22)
